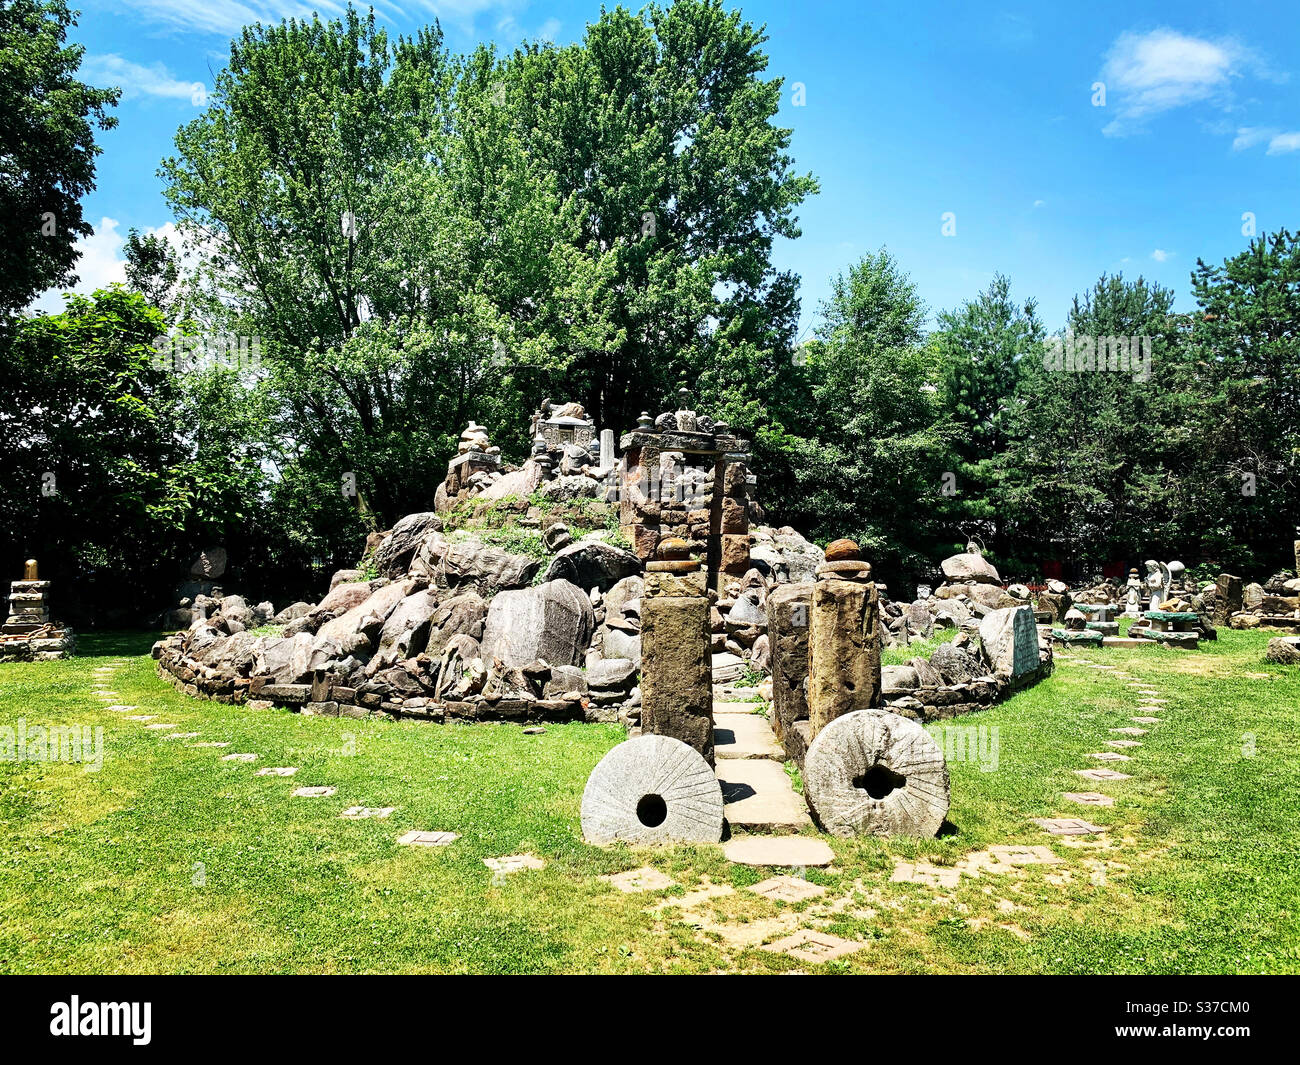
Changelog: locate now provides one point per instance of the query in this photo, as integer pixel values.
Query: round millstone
(874, 773)
(652, 789)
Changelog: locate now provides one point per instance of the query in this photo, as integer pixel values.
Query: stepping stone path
(1068, 826)
(1107, 756)
(239, 758)
(276, 771)
(647, 878)
(1102, 774)
(427, 839)
(925, 873)
(784, 851)
(120, 709)
(1123, 743)
(361, 813)
(314, 793)
(1147, 720)
(180, 735)
(1089, 798)
(209, 743)
(1130, 730)
(787, 889)
(141, 717)
(160, 726)
(514, 863)
(815, 947)
(756, 791)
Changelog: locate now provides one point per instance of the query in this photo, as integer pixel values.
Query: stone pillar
(31, 570)
(843, 638)
(789, 607)
(29, 607)
(606, 449)
(1297, 558)
(676, 658)
(1227, 597)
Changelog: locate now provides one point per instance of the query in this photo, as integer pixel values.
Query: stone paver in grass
(322, 792)
(1130, 730)
(787, 889)
(276, 771)
(118, 708)
(925, 873)
(1016, 856)
(1108, 756)
(815, 947)
(141, 717)
(210, 743)
(1089, 798)
(782, 851)
(1067, 826)
(160, 725)
(180, 735)
(362, 813)
(239, 758)
(1102, 774)
(1123, 743)
(704, 893)
(647, 878)
(1146, 720)
(514, 863)
(535, 730)
(427, 839)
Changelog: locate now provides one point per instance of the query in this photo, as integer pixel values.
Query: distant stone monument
(843, 638)
(1158, 580)
(29, 633)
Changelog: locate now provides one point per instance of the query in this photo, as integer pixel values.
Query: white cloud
(227, 17)
(1249, 136)
(137, 80)
(1039, 203)
(101, 263)
(1283, 143)
(1160, 255)
(1149, 73)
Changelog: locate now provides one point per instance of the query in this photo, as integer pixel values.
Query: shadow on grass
(115, 643)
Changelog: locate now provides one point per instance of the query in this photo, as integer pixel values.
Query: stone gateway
(873, 773)
(652, 789)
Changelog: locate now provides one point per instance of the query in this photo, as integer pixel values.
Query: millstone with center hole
(652, 789)
(873, 773)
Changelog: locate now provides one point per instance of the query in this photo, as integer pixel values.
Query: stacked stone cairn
(29, 634)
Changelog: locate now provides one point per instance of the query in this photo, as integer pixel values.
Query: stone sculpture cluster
(29, 634)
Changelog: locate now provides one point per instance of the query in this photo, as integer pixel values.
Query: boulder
(405, 633)
(749, 610)
(593, 564)
(461, 615)
(565, 680)
(1009, 639)
(234, 608)
(612, 673)
(488, 570)
(342, 598)
(898, 678)
(520, 483)
(970, 567)
(801, 556)
(956, 664)
(210, 564)
(393, 556)
(625, 591)
(368, 616)
(760, 655)
(344, 576)
(287, 659)
(291, 612)
(553, 622)
(618, 643)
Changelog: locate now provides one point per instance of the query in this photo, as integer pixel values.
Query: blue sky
(908, 113)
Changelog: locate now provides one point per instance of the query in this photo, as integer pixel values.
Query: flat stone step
(745, 736)
(758, 797)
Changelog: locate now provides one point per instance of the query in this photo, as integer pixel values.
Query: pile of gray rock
(442, 624)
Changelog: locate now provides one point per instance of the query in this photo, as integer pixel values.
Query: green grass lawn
(170, 860)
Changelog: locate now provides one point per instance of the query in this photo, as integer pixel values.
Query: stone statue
(1158, 580)
(1133, 595)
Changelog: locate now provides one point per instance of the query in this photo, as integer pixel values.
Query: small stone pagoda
(29, 634)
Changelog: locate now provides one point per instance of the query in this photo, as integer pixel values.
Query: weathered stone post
(1227, 597)
(843, 638)
(676, 659)
(1297, 558)
(30, 569)
(788, 609)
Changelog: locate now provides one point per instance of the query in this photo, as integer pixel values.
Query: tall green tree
(982, 347)
(870, 453)
(47, 148)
